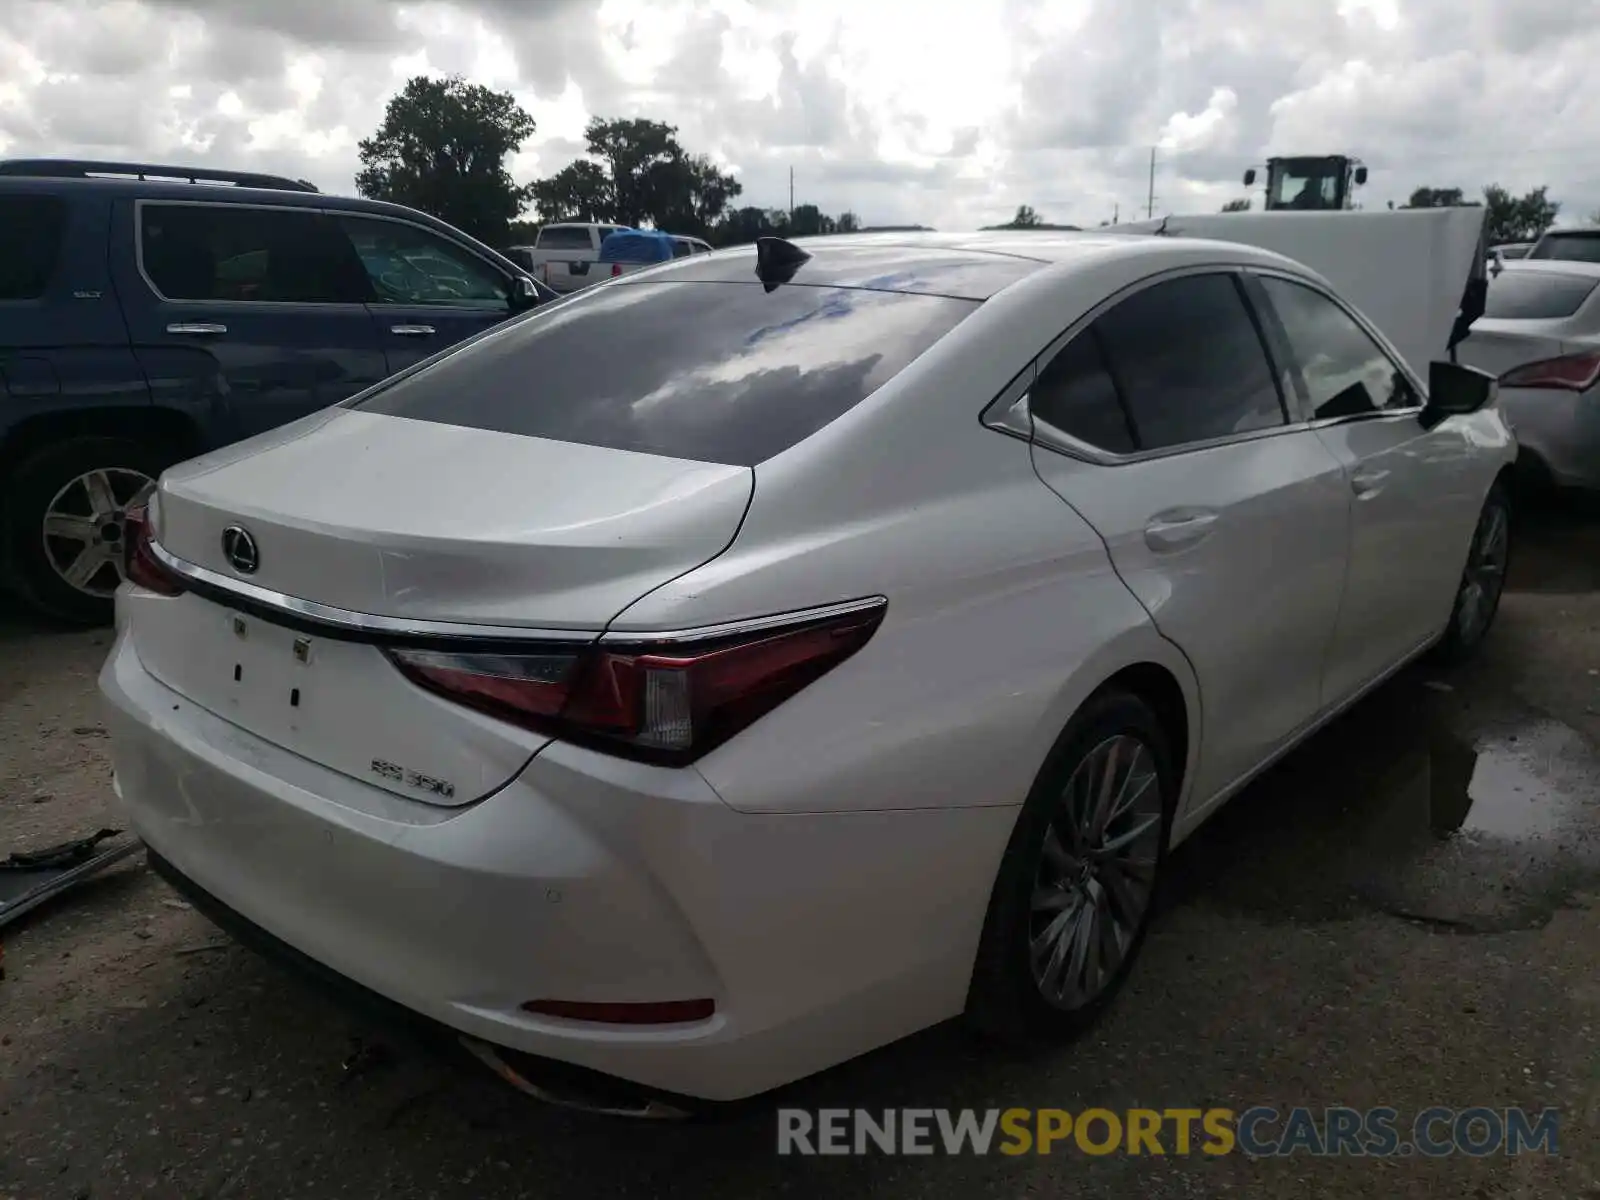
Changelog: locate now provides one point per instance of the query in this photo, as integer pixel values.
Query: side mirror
(1361, 175)
(524, 294)
(1454, 390)
(1250, 177)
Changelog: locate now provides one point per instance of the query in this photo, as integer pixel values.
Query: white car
(844, 656)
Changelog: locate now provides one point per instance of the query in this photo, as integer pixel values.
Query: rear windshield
(1534, 295)
(1571, 247)
(565, 237)
(713, 372)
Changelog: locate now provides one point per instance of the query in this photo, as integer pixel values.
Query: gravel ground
(1406, 912)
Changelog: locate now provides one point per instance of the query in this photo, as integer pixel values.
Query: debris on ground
(29, 878)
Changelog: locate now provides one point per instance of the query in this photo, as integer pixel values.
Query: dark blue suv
(149, 314)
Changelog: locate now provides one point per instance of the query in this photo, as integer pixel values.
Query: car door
(1163, 423)
(427, 292)
(251, 315)
(1415, 492)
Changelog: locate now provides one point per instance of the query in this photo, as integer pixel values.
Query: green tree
(637, 174)
(1518, 218)
(1240, 205)
(580, 191)
(1026, 218)
(808, 221)
(848, 222)
(442, 148)
(1431, 197)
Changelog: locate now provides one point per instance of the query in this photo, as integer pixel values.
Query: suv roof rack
(72, 168)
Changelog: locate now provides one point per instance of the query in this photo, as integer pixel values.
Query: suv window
(1189, 363)
(231, 252)
(408, 265)
(1535, 295)
(1346, 373)
(30, 244)
(1076, 395)
(566, 237)
(681, 248)
(715, 372)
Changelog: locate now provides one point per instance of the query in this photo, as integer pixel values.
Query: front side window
(30, 243)
(712, 372)
(1188, 363)
(1346, 373)
(408, 265)
(285, 255)
(681, 248)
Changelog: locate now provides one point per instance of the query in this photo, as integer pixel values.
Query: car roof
(968, 266)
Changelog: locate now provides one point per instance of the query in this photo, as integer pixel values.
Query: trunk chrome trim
(783, 620)
(292, 610)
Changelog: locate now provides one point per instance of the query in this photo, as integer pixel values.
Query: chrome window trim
(1002, 415)
(1385, 347)
(141, 202)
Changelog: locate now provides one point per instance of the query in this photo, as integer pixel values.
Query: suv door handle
(198, 329)
(412, 330)
(1366, 483)
(1178, 528)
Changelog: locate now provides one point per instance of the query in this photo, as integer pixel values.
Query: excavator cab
(1310, 183)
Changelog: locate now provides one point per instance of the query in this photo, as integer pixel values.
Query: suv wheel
(61, 522)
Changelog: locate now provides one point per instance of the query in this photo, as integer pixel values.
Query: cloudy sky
(944, 112)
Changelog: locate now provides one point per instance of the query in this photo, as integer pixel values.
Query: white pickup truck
(564, 256)
(567, 256)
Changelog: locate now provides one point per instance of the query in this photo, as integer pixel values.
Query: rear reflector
(664, 1012)
(139, 565)
(664, 702)
(1572, 373)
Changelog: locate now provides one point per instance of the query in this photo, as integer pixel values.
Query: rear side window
(712, 372)
(238, 253)
(1534, 295)
(1570, 247)
(1189, 363)
(566, 237)
(681, 248)
(1075, 394)
(30, 244)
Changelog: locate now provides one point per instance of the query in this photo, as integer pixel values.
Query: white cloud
(947, 112)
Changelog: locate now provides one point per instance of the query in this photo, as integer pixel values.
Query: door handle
(199, 329)
(412, 330)
(1175, 530)
(1367, 483)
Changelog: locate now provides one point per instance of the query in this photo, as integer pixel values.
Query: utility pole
(1116, 212)
(1150, 206)
(791, 195)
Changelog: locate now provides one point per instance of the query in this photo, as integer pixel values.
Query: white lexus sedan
(754, 660)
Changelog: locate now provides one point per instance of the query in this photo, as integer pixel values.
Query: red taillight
(662, 702)
(139, 565)
(1571, 372)
(616, 270)
(660, 1012)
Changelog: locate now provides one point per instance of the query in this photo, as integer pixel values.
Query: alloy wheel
(1485, 574)
(83, 527)
(1096, 874)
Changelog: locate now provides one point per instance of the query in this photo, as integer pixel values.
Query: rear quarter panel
(1004, 612)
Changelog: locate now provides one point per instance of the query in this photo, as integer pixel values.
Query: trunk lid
(422, 523)
(1406, 271)
(395, 517)
(1496, 346)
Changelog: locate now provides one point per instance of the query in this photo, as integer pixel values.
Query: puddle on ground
(1419, 803)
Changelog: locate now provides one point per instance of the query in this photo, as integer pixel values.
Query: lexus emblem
(239, 548)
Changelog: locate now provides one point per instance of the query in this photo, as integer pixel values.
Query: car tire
(1042, 895)
(52, 479)
(1483, 579)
